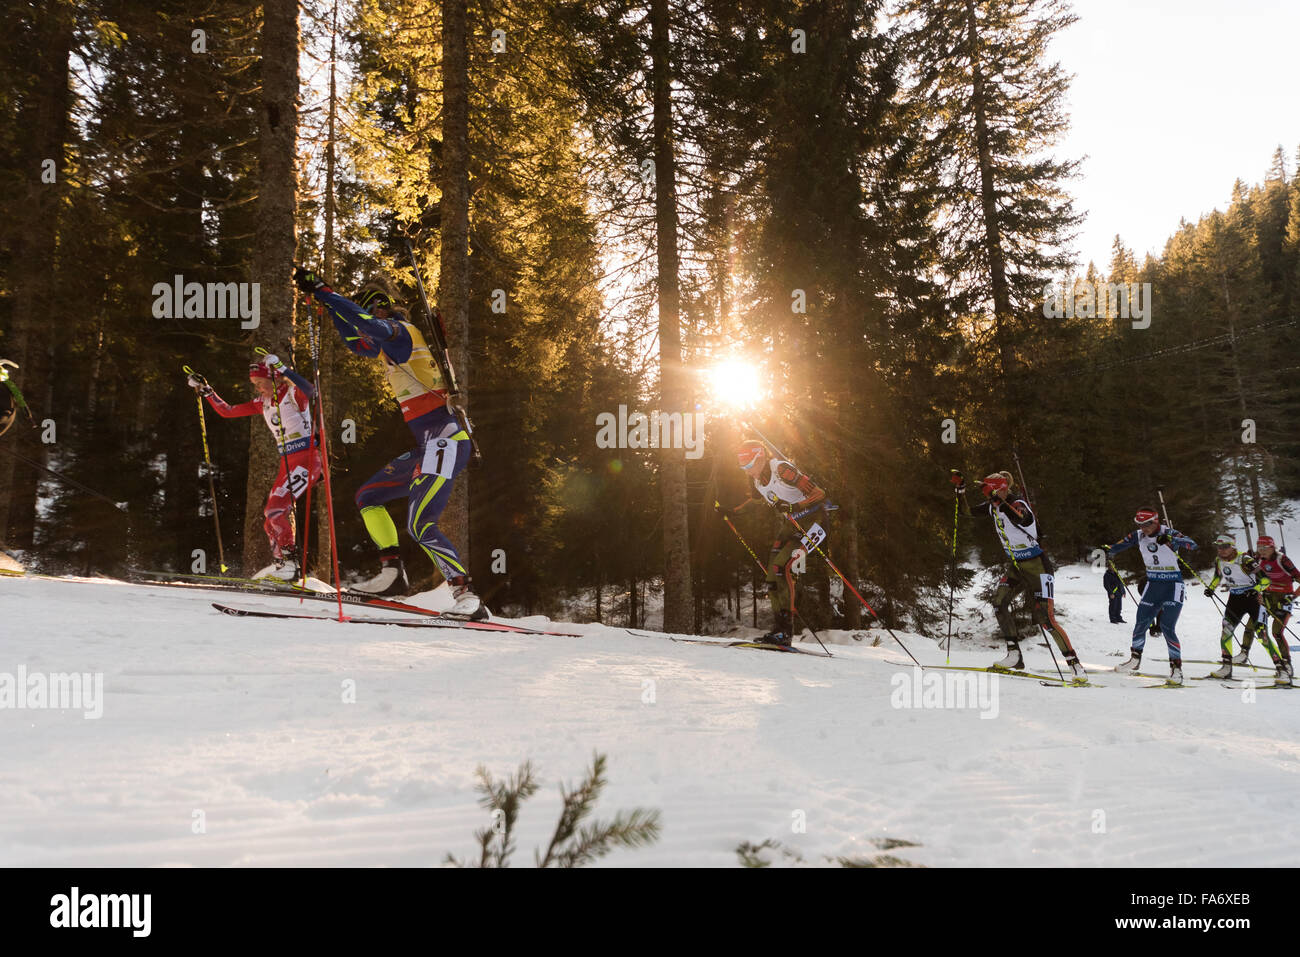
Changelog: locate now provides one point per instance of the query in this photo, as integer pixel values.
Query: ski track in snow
(243, 719)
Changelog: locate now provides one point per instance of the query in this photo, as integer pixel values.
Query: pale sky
(1172, 100)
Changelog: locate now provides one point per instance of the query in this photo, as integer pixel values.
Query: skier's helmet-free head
(995, 482)
(258, 369)
(750, 454)
(1145, 516)
(1226, 542)
(1265, 541)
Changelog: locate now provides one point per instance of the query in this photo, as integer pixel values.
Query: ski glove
(1209, 593)
(196, 382)
(958, 482)
(1163, 538)
(308, 281)
(275, 362)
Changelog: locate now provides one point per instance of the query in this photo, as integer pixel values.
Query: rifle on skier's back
(442, 354)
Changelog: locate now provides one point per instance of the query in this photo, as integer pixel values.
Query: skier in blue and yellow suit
(424, 476)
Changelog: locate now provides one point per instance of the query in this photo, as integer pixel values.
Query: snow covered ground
(242, 724)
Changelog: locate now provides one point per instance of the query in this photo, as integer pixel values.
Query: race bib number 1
(816, 535)
(439, 458)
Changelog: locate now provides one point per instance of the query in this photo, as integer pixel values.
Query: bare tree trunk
(1002, 317)
(34, 219)
(453, 279)
(273, 243)
(327, 352)
(678, 603)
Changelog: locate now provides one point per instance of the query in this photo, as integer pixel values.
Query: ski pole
(324, 448)
(952, 579)
(826, 558)
(207, 460)
(726, 518)
(120, 506)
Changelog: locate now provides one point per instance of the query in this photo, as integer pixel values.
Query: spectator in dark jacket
(1115, 589)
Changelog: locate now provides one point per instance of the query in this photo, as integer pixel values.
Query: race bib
(439, 458)
(815, 536)
(1046, 586)
(298, 480)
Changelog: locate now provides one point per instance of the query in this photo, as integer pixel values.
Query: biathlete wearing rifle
(1031, 569)
(288, 416)
(1162, 598)
(1240, 575)
(780, 484)
(1279, 598)
(423, 475)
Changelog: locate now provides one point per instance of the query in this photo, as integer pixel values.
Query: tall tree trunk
(678, 603)
(453, 279)
(273, 242)
(1002, 317)
(34, 218)
(328, 345)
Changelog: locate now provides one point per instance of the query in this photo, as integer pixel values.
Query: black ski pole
(952, 578)
(207, 461)
(120, 506)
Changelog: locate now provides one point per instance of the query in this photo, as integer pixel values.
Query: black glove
(1163, 538)
(958, 482)
(1154, 630)
(723, 510)
(308, 281)
(200, 384)
(1209, 593)
(1105, 548)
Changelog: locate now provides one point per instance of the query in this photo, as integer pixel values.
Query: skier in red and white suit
(284, 401)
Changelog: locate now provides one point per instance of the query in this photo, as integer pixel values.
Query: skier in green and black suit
(1031, 569)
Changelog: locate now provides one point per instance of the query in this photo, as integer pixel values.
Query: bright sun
(735, 384)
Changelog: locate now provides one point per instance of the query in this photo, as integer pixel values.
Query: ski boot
(391, 579)
(1077, 675)
(467, 604)
(1243, 657)
(1132, 665)
(1014, 659)
(1175, 673)
(281, 569)
(782, 630)
(1224, 670)
(1285, 674)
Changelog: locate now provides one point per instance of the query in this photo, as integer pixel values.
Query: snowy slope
(243, 720)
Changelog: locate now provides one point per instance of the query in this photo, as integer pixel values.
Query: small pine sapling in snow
(574, 842)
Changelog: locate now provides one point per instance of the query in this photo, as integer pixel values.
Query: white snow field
(238, 728)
